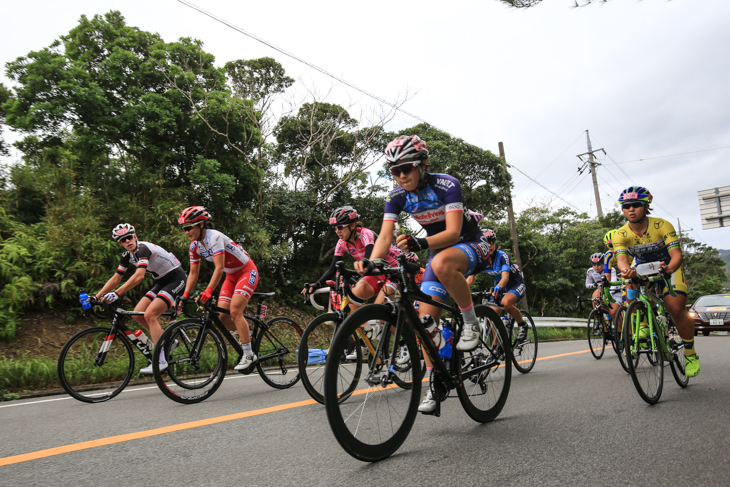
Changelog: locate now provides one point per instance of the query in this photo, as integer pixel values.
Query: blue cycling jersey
(429, 206)
(499, 262)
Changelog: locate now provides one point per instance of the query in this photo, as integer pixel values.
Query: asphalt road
(573, 420)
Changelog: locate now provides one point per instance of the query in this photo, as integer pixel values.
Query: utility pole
(679, 234)
(512, 223)
(592, 163)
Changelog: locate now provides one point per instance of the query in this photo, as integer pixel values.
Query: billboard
(715, 207)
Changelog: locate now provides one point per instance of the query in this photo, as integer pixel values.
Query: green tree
(4, 96)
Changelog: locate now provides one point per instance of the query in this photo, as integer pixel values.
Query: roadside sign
(715, 207)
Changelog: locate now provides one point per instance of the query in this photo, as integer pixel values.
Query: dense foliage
(120, 125)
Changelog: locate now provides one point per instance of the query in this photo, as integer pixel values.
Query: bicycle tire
(676, 360)
(647, 366)
(195, 373)
(485, 373)
(318, 336)
(82, 379)
(619, 319)
(524, 354)
(404, 377)
(596, 337)
(276, 347)
(375, 420)
(612, 334)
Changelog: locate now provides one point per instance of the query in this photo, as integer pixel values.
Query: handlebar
(321, 290)
(644, 280)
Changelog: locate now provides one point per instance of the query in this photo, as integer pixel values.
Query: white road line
(238, 376)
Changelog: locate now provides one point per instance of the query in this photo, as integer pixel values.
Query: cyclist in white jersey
(161, 265)
(230, 259)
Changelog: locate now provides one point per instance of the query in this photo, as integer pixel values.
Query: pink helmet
(405, 147)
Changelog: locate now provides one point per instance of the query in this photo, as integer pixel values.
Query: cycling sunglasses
(340, 227)
(404, 168)
(126, 239)
(635, 204)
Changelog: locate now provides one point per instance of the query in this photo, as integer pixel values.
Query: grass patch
(546, 333)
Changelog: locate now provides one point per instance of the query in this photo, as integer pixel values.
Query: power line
(671, 155)
(548, 166)
(347, 83)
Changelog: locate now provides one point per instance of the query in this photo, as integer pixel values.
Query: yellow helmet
(608, 237)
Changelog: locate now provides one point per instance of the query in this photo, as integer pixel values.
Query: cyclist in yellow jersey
(610, 265)
(650, 239)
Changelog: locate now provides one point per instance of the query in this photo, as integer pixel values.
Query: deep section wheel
(485, 373)
(196, 359)
(376, 419)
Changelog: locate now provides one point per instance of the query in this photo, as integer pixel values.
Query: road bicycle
(197, 357)
(376, 419)
(650, 340)
(317, 339)
(524, 352)
(601, 328)
(97, 363)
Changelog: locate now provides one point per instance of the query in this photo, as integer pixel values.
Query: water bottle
(447, 337)
(85, 300)
(648, 268)
(143, 340)
(433, 331)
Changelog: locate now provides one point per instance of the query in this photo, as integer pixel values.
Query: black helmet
(344, 215)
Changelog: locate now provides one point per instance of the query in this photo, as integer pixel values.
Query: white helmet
(122, 230)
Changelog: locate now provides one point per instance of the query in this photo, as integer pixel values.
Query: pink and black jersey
(430, 205)
(156, 261)
(364, 237)
(213, 244)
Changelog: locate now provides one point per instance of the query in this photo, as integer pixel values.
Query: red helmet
(405, 147)
(193, 214)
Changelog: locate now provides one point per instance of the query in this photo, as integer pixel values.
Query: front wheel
(196, 358)
(95, 366)
(376, 419)
(485, 373)
(314, 351)
(276, 347)
(524, 352)
(596, 337)
(644, 349)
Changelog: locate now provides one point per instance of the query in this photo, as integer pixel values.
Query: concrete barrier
(560, 322)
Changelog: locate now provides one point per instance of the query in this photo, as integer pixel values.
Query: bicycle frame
(118, 325)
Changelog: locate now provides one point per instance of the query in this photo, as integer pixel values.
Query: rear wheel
(675, 345)
(314, 351)
(276, 347)
(596, 337)
(646, 366)
(196, 359)
(376, 419)
(524, 352)
(618, 326)
(485, 373)
(88, 377)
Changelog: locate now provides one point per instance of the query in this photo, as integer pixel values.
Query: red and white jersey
(213, 244)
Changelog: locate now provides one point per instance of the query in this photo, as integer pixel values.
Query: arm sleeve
(369, 250)
(330, 273)
(589, 280)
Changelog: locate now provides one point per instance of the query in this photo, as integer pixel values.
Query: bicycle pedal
(248, 370)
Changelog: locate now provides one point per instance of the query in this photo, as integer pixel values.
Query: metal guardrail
(553, 322)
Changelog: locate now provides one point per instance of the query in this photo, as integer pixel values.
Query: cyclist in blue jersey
(457, 246)
(508, 281)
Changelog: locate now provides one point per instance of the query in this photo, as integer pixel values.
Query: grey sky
(647, 78)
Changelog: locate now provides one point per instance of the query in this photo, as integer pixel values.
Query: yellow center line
(85, 445)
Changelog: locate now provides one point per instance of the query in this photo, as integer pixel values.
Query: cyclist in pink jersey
(229, 259)
(357, 241)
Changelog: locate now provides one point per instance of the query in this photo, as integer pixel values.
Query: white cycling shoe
(428, 405)
(469, 337)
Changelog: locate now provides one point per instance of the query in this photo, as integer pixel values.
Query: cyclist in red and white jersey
(241, 274)
(357, 241)
(161, 265)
